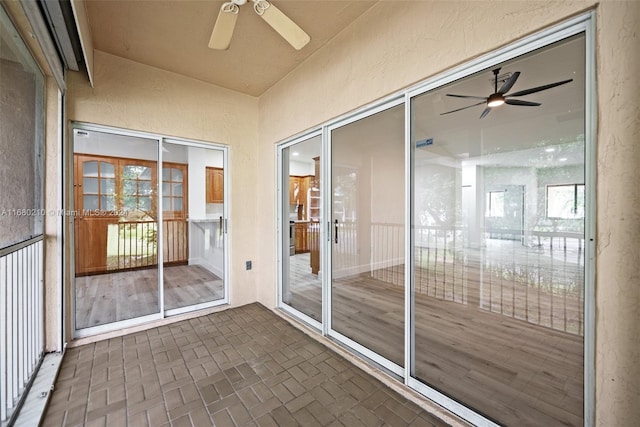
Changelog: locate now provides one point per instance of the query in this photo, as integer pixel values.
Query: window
(98, 185)
(21, 139)
(565, 201)
(173, 177)
(107, 185)
(137, 185)
(495, 204)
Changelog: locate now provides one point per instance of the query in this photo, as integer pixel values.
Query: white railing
(537, 278)
(21, 321)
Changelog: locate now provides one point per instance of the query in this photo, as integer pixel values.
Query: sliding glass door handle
(336, 231)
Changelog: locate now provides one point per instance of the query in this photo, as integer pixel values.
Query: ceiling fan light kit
(495, 100)
(499, 97)
(226, 21)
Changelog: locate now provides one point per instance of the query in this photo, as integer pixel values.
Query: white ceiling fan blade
(280, 22)
(223, 30)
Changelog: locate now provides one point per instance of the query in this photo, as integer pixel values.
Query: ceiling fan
(226, 22)
(499, 97)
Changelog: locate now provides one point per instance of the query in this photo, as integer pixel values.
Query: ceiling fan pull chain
(260, 6)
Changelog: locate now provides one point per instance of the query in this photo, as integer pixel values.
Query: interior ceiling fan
(226, 22)
(499, 97)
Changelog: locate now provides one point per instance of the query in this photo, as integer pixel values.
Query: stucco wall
(618, 223)
(135, 96)
(396, 44)
(53, 241)
(18, 140)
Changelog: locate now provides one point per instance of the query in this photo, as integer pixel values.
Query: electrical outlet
(248, 265)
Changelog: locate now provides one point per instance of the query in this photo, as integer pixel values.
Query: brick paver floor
(241, 367)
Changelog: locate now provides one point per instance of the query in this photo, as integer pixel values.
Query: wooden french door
(115, 218)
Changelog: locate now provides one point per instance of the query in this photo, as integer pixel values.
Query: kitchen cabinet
(298, 188)
(301, 240)
(313, 240)
(214, 185)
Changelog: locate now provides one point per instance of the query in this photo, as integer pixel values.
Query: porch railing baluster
(21, 322)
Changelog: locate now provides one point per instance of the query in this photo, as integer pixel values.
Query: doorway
(149, 227)
(457, 243)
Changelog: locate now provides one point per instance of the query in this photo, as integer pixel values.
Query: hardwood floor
(107, 298)
(513, 371)
(304, 291)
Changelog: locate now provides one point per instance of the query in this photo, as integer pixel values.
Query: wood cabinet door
(301, 241)
(298, 189)
(215, 185)
(293, 189)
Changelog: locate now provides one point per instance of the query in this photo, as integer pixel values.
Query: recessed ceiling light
(295, 153)
(562, 159)
(550, 149)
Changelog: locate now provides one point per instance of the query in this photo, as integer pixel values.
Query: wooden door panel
(91, 235)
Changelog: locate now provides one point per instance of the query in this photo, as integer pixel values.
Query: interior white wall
(298, 168)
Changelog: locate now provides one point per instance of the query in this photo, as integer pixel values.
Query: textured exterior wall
(618, 222)
(135, 96)
(52, 242)
(396, 44)
(17, 141)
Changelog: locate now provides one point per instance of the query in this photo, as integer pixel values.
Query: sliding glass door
(367, 233)
(301, 201)
(150, 227)
(457, 228)
(115, 227)
(499, 236)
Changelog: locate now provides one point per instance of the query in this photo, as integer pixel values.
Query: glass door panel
(194, 226)
(116, 260)
(367, 223)
(498, 230)
(301, 284)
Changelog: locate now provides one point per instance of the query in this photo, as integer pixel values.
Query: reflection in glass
(498, 230)
(107, 203)
(107, 186)
(368, 226)
(565, 201)
(301, 284)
